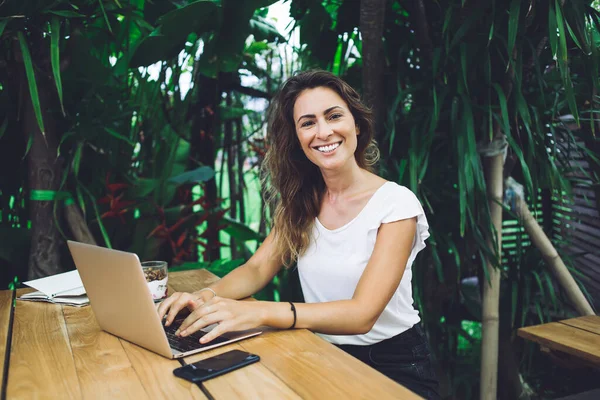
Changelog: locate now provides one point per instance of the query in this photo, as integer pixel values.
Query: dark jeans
(405, 358)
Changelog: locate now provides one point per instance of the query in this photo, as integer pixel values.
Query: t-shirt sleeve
(401, 203)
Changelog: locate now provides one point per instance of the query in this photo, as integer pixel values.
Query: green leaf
(105, 16)
(65, 13)
(574, 36)
(143, 187)
(201, 174)
(463, 64)
(119, 136)
(552, 31)
(222, 267)
(227, 113)
(563, 62)
(503, 108)
(3, 23)
(540, 313)
(98, 216)
(55, 58)
(3, 127)
(262, 29)
(513, 26)
(562, 38)
(33, 90)
(240, 231)
(77, 158)
(256, 48)
(167, 40)
(471, 20)
(524, 166)
(447, 19)
(551, 290)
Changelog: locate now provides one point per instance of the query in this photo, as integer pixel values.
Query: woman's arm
(252, 276)
(375, 288)
(242, 282)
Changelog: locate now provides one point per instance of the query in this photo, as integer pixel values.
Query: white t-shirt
(335, 260)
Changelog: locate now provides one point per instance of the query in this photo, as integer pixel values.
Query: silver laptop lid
(119, 295)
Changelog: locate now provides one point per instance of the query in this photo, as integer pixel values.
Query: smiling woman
(314, 108)
(327, 134)
(353, 235)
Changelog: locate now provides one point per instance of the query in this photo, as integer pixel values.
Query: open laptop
(123, 305)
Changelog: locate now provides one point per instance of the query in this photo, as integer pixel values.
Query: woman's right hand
(171, 306)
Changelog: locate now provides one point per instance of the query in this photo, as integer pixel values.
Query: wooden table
(60, 352)
(578, 337)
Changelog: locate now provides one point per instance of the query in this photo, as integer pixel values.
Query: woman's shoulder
(389, 191)
(393, 191)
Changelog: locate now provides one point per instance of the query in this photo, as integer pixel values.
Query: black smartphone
(214, 366)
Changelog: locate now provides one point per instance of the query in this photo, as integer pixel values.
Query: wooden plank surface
(5, 311)
(60, 352)
(311, 367)
(156, 375)
(190, 281)
(100, 358)
(565, 338)
(254, 381)
(315, 369)
(589, 323)
(240, 383)
(41, 362)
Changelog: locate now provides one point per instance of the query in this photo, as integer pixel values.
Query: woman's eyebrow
(313, 115)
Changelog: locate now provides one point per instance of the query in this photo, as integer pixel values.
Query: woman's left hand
(230, 315)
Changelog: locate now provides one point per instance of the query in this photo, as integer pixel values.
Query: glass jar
(157, 276)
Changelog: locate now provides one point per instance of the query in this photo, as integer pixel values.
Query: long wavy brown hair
(295, 185)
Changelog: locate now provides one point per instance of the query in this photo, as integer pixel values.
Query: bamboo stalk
(490, 321)
(553, 259)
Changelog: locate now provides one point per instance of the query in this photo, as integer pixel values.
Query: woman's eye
(335, 116)
(305, 124)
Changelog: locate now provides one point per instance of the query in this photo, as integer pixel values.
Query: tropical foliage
(142, 121)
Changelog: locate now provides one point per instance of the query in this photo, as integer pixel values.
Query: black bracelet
(294, 311)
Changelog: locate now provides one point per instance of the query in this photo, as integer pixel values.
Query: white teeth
(328, 149)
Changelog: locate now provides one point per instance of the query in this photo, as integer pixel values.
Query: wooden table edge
(554, 345)
(569, 322)
(8, 345)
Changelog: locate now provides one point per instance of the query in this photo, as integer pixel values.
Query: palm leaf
(552, 31)
(513, 26)
(119, 136)
(563, 62)
(3, 127)
(105, 16)
(33, 90)
(28, 146)
(55, 59)
(503, 109)
(98, 216)
(3, 23)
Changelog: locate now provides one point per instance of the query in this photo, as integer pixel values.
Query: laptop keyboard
(188, 343)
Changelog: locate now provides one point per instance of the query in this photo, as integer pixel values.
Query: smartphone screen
(215, 366)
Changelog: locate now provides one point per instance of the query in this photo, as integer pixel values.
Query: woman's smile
(328, 148)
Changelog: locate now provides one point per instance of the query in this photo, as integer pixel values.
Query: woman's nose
(323, 130)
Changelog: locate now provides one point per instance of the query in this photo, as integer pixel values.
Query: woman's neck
(343, 182)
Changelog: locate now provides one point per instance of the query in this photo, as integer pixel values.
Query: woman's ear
(357, 130)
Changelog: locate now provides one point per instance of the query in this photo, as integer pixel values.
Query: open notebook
(65, 288)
